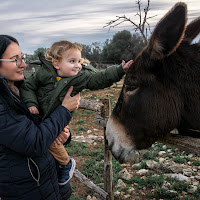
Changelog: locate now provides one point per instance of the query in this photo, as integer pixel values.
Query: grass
(79, 129)
(180, 186)
(180, 159)
(93, 96)
(79, 122)
(149, 181)
(73, 197)
(89, 111)
(165, 194)
(196, 163)
(78, 148)
(85, 113)
(93, 169)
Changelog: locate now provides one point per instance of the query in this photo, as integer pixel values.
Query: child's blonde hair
(57, 48)
(85, 61)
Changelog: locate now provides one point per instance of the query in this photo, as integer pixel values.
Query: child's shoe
(66, 172)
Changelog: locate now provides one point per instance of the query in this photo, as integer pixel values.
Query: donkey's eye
(130, 88)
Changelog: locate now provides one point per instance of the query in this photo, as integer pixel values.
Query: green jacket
(43, 91)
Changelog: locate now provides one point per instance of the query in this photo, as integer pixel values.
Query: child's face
(70, 64)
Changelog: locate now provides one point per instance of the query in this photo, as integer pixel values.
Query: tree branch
(138, 27)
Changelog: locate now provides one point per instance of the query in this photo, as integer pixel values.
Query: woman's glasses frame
(17, 60)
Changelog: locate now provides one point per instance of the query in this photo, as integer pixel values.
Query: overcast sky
(39, 23)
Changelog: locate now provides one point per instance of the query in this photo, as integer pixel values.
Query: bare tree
(143, 26)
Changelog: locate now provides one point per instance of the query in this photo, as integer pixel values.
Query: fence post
(108, 172)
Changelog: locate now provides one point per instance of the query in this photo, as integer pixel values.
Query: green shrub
(179, 159)
(73, 197)
(93, 96)
(196, 194)
(180, 186)
(89, 111)
(81, 129)
(93, 170)
(79, 122)
(161, 193)
(77, 148)
(196, 163)
(153, 181)
(85, 90)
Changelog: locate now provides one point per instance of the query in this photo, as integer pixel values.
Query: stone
(192, 189)
(187, 172)
(117, 193)
(131, 190)
(166, 185)
(136, 165)
(151, 164)
(197, 178)
(89, 197)
(161, 153)
(127, 196)
(180, 177)
(161, 160)
(120, 184)
(125, 174)
(142, 172)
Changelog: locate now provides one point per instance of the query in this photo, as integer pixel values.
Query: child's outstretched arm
(105, 78)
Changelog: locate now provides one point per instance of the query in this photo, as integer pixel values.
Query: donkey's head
(161, 90)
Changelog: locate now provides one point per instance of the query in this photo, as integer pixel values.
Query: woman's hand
(63, 136)
(71, 103)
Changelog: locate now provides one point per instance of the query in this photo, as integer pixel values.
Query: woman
(27, 169)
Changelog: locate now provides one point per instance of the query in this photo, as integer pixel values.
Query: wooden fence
(103, 110)
(102, 113)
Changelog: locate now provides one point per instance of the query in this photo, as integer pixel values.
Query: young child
(44, 90)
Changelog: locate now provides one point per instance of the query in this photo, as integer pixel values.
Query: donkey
(161, 89)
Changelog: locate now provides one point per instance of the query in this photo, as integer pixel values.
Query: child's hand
(126, 65)
(63, 136)
(33, 110)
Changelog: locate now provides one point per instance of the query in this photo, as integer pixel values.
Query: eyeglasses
(17, 60)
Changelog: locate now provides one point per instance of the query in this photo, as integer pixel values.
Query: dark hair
(12, 101)
(5, 40)
(9, 98)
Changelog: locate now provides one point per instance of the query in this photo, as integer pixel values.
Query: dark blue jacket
(24, 156)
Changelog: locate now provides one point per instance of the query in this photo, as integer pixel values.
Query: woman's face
(9, 69)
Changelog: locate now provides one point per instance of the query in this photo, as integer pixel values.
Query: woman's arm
(20, 134)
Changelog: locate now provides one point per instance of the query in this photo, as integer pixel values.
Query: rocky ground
(165, 167)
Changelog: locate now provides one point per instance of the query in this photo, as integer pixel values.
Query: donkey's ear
(168, 33)
(192, 30)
